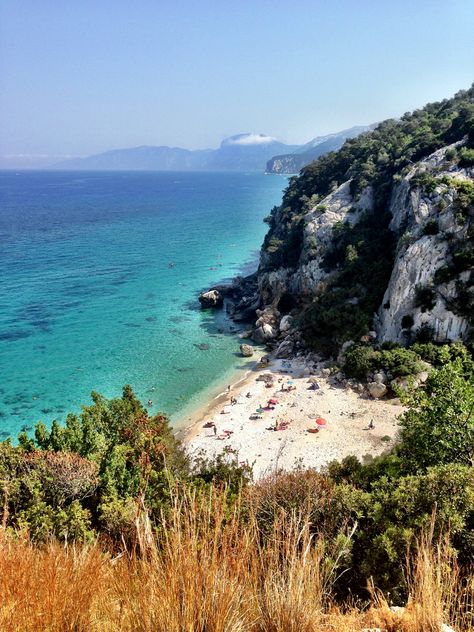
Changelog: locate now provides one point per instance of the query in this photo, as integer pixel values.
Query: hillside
(376, 237)
(294, 162)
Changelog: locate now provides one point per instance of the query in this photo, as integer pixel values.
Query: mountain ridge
(240, 152)
(292, 163)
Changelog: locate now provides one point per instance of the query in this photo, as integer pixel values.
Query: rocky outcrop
(246, 350)
(427, 224)
(425, 220)
(211, 298)
(372, 243)
(310, 276)
(263, 333)
(376, 389)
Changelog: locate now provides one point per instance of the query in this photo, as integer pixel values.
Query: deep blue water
(88, 299)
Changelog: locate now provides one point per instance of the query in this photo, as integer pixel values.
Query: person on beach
(214, 428)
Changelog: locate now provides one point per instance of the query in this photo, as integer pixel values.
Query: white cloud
(251, 139)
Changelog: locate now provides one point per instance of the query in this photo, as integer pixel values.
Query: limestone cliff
(429, 228)
(374, 241)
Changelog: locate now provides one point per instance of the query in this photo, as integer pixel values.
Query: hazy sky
(83, 76)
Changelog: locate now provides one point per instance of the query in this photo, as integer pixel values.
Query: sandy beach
(355, 424)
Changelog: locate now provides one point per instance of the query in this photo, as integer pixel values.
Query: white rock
(246, 350)
(376, 390)
(380, 377)
(263, 333)
(285, 323)
(422, 377)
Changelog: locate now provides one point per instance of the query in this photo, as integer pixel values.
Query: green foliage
(463, 303)
(359, 360)
(345, 310)
(399, 509)
(274, 245)
(425, 298)
(72, 479)
(439, 425)
(399, 362)
(466, 157)
(431, 227)
(451, 155)
(331, 319)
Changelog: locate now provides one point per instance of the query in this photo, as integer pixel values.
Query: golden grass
(206, 572)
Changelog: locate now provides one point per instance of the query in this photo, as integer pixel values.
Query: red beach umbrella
(321, 422)
(273, 401)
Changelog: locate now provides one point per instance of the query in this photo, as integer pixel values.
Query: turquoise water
(89, 301)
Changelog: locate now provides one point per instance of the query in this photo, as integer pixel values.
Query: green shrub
(466, 157)
(359, 360)
(439, 425)
(399, 362)
(425, 298)
(451, 154)
(431, 227)
(425, 333)
(330, 320)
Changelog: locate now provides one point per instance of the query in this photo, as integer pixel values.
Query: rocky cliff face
(429, 227)
(310, 276)
(374, 242)
(424, 291)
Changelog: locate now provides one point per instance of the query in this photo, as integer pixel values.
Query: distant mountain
(244, 152)
(295, 161)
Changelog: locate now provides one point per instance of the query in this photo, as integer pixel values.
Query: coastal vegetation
(139, 536)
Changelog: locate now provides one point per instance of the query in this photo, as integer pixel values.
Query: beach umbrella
(273, 401)
(260, 410)
(290, 381)
(321, 422)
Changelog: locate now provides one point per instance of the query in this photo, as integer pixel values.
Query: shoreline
(251, 439)
(196, 414)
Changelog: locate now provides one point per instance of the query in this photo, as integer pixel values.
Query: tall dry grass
(211, 570)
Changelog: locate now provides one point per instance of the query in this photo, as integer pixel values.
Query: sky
(79, 77)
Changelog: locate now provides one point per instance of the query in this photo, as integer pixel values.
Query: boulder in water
(211, 298)
(246, 350)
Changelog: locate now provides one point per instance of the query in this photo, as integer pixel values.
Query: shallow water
(99, 280)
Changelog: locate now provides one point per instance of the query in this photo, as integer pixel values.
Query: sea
(99, 278)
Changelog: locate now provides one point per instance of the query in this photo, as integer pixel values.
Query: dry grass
(208, 573)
